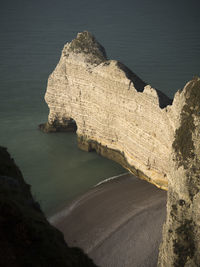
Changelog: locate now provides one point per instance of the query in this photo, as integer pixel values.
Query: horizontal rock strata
(126, 120)
(114, 110)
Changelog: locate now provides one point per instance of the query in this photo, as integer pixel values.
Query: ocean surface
(158, 40)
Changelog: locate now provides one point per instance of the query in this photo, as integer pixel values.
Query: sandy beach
(118, 223)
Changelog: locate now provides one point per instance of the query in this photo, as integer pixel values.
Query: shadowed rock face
(26, 237)
(140, 85)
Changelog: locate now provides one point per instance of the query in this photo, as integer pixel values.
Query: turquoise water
(158, 40)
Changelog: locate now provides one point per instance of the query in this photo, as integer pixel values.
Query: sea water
(158, 40)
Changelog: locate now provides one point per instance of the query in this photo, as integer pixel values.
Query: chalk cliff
(126, 120)
(181, 232)
(116, 113)
(26, 237)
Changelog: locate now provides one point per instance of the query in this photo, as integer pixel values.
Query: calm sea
(158, 40)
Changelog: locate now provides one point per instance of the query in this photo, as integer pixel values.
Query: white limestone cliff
(126, 120)
(112, 107)
(181, 232)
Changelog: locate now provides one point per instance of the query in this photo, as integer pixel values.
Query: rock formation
(181, 232)
(116, 113)
(126, 120)
(26, 237)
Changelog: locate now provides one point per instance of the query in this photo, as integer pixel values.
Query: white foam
(111, 178)
(63, 213)
(66, 211)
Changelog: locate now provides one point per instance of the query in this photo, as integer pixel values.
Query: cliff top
(183, 143)
(86, 43)
(85, 48)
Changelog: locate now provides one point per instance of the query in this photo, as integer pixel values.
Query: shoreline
(158, 179)
(110, 179)
(116, 222)
(66, 209)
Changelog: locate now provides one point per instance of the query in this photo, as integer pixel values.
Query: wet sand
(118, 223)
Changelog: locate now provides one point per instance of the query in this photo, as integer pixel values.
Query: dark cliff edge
(26, 237)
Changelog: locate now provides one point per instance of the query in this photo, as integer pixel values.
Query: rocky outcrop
(26, 237)
(181, 232)
(126, 120)
(116, 113)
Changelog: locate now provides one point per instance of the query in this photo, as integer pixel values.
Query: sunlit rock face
(116, 113)
(181, 233)
(126, 120)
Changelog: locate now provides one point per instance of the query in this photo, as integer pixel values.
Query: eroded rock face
(181, 233)
(124, 119)
(116, 113)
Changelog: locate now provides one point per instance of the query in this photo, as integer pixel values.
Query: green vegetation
(87, 44)
(183, 143)
(184, 244)
(193, 181)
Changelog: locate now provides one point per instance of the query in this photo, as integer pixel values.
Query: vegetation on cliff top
(183, 142)
(86, 43)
